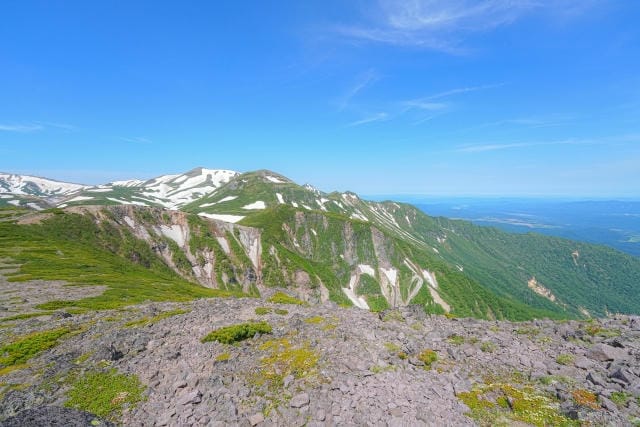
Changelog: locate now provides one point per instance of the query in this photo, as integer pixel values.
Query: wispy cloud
(442, 24)
(136, 140)
(463, 90)
(21, 128)
(365, 79)
(36, 126)
(479, 148)
(377, 117)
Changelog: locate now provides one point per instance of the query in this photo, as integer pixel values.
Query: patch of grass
(428, 357)
(239, 332)
(565, 359)
(620, 398)
(79, 250)
(585, 398)
(8, 369)
(530, 331)
(392, 347)
(488, 346)
(105, 393)
(261, 311)
(392, 315)
(150, 320)
(455, 339)
(26, 347)
(83, 358)
(281, 311)
(223, 357)
(314, 320)
(504, 404)
(283, 359)
(26, 316)
(282, 298)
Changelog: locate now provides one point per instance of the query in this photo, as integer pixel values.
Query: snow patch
(14, 202)
(274, 179)
(221, 217)
(227, 199)
(358, 301)
(390, 273)
(175, 233)
(255, 205)
(79, 199)
(34, 206)
(314, 232)
(367, 269)
(294, 204)
(224, 244)
(130, 222)
(306, 207)
(125, 202)
(280, 199)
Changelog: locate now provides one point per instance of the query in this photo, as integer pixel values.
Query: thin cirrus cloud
(20, 128)
(479, 148)
(36, 126)
(376, 117)
(442, 24)
(365, 79)
(136, 140)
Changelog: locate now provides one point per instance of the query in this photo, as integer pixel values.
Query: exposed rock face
(369, 368)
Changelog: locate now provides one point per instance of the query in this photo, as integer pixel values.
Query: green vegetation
(261, 311)
(504, 404)
(26, 347)
(282, 298)
(105, 394)
(239, 332)
(620, 398)
(428, 357)
(565, 359)
(281, 311)
(151, 320)
(81, 250)
(488, 347)
(392, 347)
(223, 357)
(394, 315)
(26, 316)
(455, 339)
(283, 359)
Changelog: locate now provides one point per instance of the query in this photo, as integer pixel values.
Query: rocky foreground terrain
(320, 365)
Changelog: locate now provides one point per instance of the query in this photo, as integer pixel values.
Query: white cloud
(442, 24)
(478, 148)
(370, 119)
(363, 80)
(137, 140)
(20, 128)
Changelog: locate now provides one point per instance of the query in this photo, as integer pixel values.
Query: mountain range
(246, 232)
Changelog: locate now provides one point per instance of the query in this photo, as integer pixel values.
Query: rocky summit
(278, 361)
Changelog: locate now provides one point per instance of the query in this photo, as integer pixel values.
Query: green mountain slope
(254, 231)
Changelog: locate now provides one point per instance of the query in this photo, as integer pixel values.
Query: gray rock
(256, 419)
(604, 352)
(300, 400)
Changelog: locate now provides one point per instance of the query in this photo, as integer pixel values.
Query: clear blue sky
(443, 97)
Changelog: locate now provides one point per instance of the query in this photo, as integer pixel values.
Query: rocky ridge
(357, 367)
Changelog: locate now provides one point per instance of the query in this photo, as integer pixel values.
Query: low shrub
(239, 332)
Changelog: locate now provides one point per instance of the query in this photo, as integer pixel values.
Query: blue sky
(436, 97)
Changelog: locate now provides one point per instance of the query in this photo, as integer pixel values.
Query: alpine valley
(207, 232)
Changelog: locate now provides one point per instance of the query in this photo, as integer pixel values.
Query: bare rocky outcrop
(368, 371)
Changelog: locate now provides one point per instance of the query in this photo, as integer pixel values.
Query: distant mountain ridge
(249, 231)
